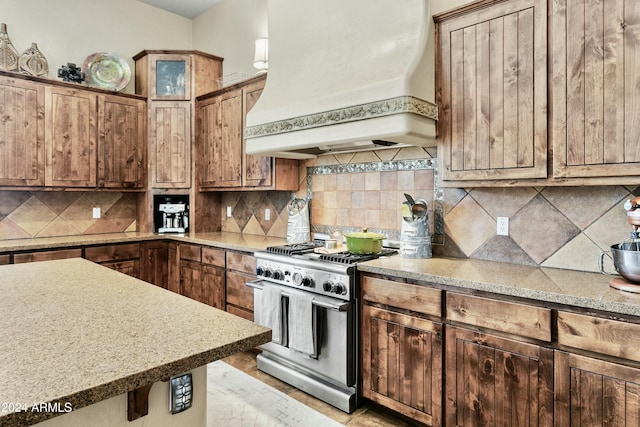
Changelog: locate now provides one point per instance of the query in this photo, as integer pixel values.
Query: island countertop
(75, 333)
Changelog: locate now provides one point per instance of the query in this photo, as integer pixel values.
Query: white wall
(69, 31)
(229, 30)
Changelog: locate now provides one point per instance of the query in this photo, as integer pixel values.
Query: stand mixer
(626, 255)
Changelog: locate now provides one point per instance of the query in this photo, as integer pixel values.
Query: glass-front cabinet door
(170, 77)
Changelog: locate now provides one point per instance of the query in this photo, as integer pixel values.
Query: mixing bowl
(625, 261)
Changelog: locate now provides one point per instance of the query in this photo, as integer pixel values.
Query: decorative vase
(33, 62)
(8, 53)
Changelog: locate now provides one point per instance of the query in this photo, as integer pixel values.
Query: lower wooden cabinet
(202, 274)
(47, 255)
(402, 363)
(240, 270)
(124, 258)
(155, 263)
(496, 381)
(592, 392)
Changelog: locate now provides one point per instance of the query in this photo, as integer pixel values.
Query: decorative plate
(106, 70)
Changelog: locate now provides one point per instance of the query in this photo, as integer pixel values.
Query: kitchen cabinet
(496, 381)
(22, 106)
(171, 79)
(202, 275)
(223, 162)
(47, 255)
(402, 353)
(596, 372)
(70, 137)
(154, 263)
(491, 67)
(121, 142)
(241, 268)
(60, 135)
(595, 108)
(5, 259)
(124, 258)
(170, 144)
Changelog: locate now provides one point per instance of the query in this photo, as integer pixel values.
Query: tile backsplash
(27, 214)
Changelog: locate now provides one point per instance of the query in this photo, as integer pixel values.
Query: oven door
(336, 358)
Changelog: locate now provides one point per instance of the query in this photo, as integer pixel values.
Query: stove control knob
(307, 282)
(278, 275)
(327, 286)
(297, 279)
(268, 272)
(340, 289)
(259, 271)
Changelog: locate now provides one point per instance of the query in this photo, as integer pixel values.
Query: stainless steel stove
(327, 368)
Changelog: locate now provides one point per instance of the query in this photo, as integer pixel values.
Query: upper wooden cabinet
(595, 88)
(71, 137)
(21, 132)
(222, 161)
(64, 135)
(171, 79)
(491, 68)
(121, 142)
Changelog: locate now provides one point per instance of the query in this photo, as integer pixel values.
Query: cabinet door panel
(213, 278)
(21, 132)
(71, 137)
(121, 128)
(492, 92)
(591, 392)
(155, 263)
(191, 285)
(595, 119)
(130, 267)
(402, 363)
(495, 381)
(170, 136)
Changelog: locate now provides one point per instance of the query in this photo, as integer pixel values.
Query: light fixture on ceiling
(261, 58)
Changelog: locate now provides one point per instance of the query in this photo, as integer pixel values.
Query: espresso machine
(171, 213)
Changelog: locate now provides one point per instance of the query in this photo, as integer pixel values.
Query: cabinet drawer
(213, 256)
(112, 252)
(190, 252)
(605, 336)
(241, 262)
(513, 318)
(402, 295)
(47, 255)
(5, 259)
(241, 312)
(238, 293)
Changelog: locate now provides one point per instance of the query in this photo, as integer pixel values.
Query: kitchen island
(75, 334)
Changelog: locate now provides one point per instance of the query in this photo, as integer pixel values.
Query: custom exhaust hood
(344, 76)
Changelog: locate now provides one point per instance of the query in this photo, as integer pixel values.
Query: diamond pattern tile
(610, 228)
(32, 216)
(57, 201)
(540, 229)
(503, 249)
(11, 200)
(579, 254)
(502, 201)
(469, 225)
(584, 205)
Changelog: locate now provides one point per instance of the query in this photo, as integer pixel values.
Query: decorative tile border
(437, 236)
(387, 107)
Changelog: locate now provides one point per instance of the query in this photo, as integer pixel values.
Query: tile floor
(368, 415)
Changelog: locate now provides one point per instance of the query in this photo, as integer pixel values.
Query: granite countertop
(225, 240)
(552, 285)
(75, 332)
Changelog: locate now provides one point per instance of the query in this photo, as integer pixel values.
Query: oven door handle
(337, 307)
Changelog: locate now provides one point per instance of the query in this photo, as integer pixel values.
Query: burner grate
(293, 249)
(349, 258)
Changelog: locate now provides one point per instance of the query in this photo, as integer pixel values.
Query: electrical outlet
(503, 226)
(228, 211)
(267, 214)
(96, 213)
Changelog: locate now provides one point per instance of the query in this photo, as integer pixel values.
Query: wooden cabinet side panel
(22, 106)
(71, 135)
(258, 170)
(238, 293)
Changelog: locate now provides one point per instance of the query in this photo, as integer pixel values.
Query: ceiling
(187, 8)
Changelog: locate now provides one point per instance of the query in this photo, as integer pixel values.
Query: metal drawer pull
(336, 307)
